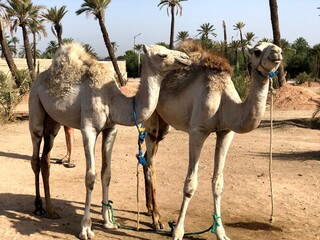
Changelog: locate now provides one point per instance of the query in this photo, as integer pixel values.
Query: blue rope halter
(141, 137)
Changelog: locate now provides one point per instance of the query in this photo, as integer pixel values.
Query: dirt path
(245, 202)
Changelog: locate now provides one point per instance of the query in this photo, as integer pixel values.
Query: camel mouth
(184, 61)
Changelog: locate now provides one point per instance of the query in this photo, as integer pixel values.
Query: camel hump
(71, 55)
(205, 58)
(71, 66)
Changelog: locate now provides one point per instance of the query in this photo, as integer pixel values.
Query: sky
(128, 18)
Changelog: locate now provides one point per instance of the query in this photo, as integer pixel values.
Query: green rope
(160, 231)
(215, 223)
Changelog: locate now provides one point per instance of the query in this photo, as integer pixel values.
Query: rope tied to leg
(109, 207)
(215, 223)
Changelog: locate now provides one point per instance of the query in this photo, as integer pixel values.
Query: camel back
(71, 66)
(203, 62)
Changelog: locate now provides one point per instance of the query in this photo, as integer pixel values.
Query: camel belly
(64, 109)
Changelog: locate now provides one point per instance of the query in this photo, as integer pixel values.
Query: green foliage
(11, 94)
(241, 82)
(302, 78)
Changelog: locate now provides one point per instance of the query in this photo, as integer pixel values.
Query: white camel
(77, 91)
(201, 99)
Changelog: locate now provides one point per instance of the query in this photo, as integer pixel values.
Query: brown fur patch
(204, 58)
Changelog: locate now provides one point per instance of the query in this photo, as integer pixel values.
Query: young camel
(77, 92)
(201, 99)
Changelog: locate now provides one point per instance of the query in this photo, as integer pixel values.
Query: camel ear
(249, 51)
(145, 48)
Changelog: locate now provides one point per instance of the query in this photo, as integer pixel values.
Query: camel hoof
(39, 212)
(157, 226)
(86, 234)
(110, 226)
(52, 215)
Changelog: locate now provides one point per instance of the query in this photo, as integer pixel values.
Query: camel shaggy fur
(77, 91)
(201, 99)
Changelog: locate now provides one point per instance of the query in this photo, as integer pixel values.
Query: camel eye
(163, 55)
(257, 53)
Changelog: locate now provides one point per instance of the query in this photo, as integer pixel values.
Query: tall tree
(97, 8)
(36, 28)
(172, 4)
(205, 30)
(55, 16)
(239, 26)
(23, 13)
(276, 35)
(5, 47)
(225, 39)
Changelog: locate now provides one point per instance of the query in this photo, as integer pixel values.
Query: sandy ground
(246, 201)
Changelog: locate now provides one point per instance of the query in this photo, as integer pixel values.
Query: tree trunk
(276, 36)
(242, 48)
(34, 50)
(225, 42)
(172, 28)
(110, 50)
(28, 51)
(8, 56)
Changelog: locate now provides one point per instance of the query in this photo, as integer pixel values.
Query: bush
(11, 94)
(241, 83)
(302, 78)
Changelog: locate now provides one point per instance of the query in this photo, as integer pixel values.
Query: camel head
(265, 57)
(164, 60)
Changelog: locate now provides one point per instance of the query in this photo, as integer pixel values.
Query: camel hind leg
(51, 129)
(36, 132)
(41, 126)
(157, 128)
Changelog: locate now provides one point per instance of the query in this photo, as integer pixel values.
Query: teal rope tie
(141, 137)
(215, 223)
(109, 206)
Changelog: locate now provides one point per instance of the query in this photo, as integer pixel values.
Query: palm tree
(276, 35)
(23, 13)
(172, 4)
(37, 28)
(205, 30)
(235, 45)
(239, 26)
(5, 46)
(250, 37)
(97, 8)
(55, 16)
(15, 41)
(182, 36)
(89, 49)
(114, 46)
(50, 49)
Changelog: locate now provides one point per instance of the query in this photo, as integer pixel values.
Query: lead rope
(140, 157)
(271, 76)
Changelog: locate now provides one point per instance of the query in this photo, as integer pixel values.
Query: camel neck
(146, 98)
(251, 110)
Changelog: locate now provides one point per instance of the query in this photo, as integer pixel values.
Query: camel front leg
(196, 140)
(89, 136)
(224, 140)
(108, 138)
